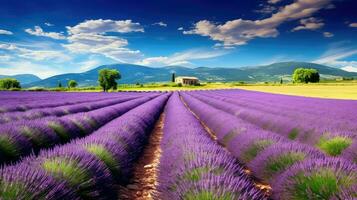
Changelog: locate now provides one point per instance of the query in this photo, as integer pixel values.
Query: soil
(143, 184)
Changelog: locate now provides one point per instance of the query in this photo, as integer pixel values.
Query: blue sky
(50, 37)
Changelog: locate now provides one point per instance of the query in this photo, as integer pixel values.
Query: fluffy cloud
(334, 57)
(328, 34)
(180, 29)
(21, 66)
(353, 25)
(266, 9)
(38, 31)
(311, 23)
(182, 58)
(160, 24)
(101, 26)
(36, 55)
(5, 32)
(240, 31)
(91, 36)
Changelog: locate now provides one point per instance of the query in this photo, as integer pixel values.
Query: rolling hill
(23, 78)
(142, 74)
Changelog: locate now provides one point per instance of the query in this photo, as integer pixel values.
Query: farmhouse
(187, 80)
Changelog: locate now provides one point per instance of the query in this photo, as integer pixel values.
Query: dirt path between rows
(143, 184)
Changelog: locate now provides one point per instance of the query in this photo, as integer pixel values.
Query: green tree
(8, 83)
(173, 77)
(281, 80)
(107, 79)
(72, 84)
(59, 84)
(305, 75)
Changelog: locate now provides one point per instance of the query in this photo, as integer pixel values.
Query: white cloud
(101, 26)
(334, 57)
(90, 37)
(160, 24)
(88, 65)
(353, 25)
(180, 29)
(240, 31)
(350, 68)
(328, 34)
(21, 67)
(38, 31)
(5, 32)
(48, 24)
(266, 9)
(311, 23)
(5, 57)
(36, 55)
(182, 58)
(274, 1)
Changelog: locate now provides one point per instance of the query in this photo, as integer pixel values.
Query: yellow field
(337, 91)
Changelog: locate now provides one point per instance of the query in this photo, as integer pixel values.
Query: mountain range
(142, 74)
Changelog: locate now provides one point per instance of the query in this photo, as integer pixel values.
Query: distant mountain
(142, 74)
(23, 78)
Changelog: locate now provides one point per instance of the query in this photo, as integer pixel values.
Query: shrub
(9, 83)
(304, 75)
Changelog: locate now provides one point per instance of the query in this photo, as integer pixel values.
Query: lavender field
(192, 145)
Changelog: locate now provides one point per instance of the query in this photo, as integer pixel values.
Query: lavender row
(60, 110)
(343, 109)
(192, 166)
(295, 170)
(87, 168)
(20, 138)
(22, 101)
(302, 111)
(332, 141)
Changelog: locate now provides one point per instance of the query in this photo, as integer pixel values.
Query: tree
(8, 83)
(107, 79)
(173, 77)
(59, 84)
(281, 80)
(304, 75)
(72, 84)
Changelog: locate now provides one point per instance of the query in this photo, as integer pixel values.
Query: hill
(23, 78)
(143, 74)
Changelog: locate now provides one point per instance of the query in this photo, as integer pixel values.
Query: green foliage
(107, 79)
(9, 83)
(257, 146)
(334, 146)
(67, 170)
(11, 190)
(60, 131)
(173, 77)
(280, 163)
(208, 195)
(104, 155)
(322, 184)
(304, 75)
(59, 84)
(72, 84)
(293, 134)
(8, 148)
